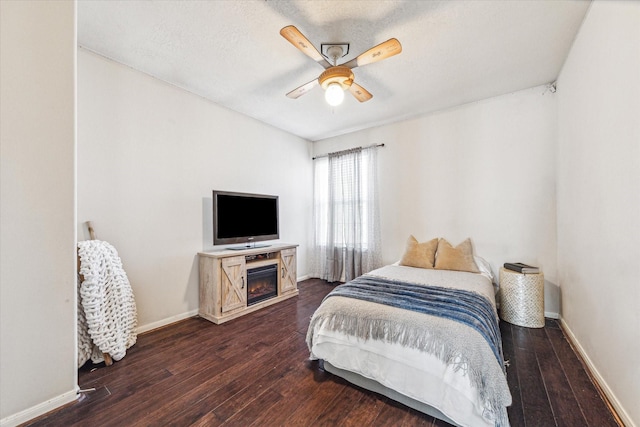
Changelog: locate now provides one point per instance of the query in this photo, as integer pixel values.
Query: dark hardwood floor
(254, 371)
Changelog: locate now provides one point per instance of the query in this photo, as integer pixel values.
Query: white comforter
(418, 374)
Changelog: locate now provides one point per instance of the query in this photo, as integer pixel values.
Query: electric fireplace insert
(262, 283)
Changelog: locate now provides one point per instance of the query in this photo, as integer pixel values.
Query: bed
(428, 338)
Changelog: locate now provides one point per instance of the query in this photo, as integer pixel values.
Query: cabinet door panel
(288, 273)
(234, 292)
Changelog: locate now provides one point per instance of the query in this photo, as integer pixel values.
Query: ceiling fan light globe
(334, 95)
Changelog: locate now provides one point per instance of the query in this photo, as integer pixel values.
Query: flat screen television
(244, 218)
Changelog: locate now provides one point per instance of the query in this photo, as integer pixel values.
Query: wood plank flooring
(254, 371)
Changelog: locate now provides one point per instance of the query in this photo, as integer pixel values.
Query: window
(345, 214)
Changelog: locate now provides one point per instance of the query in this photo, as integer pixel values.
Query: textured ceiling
(231, 52)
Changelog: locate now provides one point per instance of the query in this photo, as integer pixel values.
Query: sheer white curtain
(346, 216)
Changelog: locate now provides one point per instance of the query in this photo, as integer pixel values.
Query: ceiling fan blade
(296, 38)
(298, 92)
(377, 53)
(360, 93)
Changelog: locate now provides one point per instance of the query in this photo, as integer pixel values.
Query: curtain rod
(345, 151)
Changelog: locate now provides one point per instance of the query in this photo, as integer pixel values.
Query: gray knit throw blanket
(468, 308)
(455, 343)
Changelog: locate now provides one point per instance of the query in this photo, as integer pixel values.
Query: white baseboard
(624, 417)
(551, 315)
(173, 319)
(164, 322)
(39, 409)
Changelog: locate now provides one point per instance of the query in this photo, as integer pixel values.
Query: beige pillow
(459, 258)
(421, 255)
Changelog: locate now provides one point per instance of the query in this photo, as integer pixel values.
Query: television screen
(244, 218)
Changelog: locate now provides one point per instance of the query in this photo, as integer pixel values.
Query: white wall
(599, 198)
(37, 222)
(149, 155)
(484, 170)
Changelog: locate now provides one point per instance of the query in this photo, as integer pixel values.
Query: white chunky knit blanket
(107, 316)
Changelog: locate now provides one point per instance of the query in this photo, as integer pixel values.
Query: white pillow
(483, 266)
(485, 270)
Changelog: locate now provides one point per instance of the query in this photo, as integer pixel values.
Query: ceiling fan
(336, 79)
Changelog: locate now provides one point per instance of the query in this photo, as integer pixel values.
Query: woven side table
(522, 298)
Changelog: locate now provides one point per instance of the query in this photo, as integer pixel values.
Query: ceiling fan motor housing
(338, 74)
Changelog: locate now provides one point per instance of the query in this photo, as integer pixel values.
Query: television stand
(225, 279)
(247, 246)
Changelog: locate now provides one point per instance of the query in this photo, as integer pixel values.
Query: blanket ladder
(108, 361)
